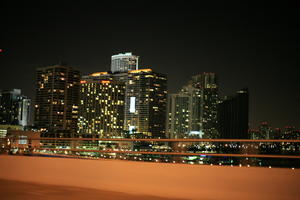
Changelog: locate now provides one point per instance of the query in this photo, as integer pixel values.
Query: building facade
(178, 119)
(57, 98)
(124, 62)
(145, 103)
(24, 111)
(207, 83)
(15, 109)
(101, 108)
(233, 116)
(192, 113)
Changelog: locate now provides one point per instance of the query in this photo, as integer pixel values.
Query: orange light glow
(82, 81)
(140, 70)
(105, 81)
(98, 73)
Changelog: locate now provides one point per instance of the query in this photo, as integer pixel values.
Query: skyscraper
(14, 108)
(101, 108)
(9, 106)
(233, 116)
(208, 85)
(145, 103)
(124, 62)
(56, 104)
(178, 119)
(24, 111)
(265, 130)
(193, 111)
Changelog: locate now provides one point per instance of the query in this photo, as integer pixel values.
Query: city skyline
(179, 41)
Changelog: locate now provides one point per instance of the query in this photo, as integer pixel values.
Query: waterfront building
(56, 103)
(124, 62)
(192, 113)
(145, 103)
(101, 107)
(24, 111)
(15, 109)
(233, 116)
(178, 120)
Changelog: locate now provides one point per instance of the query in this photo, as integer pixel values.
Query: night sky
(252, 45)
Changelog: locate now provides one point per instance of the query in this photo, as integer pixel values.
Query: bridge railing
(279, 153)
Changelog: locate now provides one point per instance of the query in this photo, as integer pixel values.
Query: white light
(131, 128)
(132, 105)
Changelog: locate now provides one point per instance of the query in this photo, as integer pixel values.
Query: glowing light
(98, 73)
(140, 70)
(104, 81)
(82, 81)
(132, 105)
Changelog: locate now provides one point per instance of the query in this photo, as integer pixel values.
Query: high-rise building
(233, 116)
(24, 111)
(131, 103)
(208, 85)
(124, 62)
(265, 130)
(178, 119)
(14, 108)
(101, 108)
(57, 98)
(145, 103)
(193, 111)
(9, 106)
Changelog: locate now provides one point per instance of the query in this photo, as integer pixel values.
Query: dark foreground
(17, 190)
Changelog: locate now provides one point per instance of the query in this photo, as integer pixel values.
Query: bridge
(269, 153)
(151, 168)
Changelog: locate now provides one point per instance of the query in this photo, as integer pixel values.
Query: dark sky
(252, 45)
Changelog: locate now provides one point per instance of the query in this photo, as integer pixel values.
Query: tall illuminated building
(15, 109)
(9, 106)
(128, 102)
(145, 103)
(208, 85)
(178, 119)
(124, 62)
(24, 111)
(101, 108)
(56, 103)
(192, 113)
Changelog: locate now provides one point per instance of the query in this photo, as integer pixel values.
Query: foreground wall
(168, 180)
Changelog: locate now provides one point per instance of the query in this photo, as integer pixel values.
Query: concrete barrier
(159, 179)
